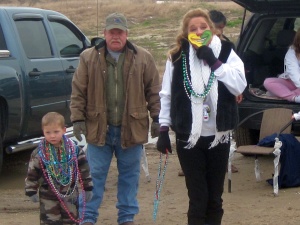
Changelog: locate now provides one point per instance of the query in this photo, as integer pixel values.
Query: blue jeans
(128, 163)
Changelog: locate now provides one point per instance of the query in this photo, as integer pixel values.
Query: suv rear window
(265, 52)
(34, 38)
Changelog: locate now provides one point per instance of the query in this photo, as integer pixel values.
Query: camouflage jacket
(35, 178)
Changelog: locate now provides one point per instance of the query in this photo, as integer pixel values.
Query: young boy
(58, 169)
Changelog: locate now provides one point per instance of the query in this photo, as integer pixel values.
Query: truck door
(70, 42)
(45, 76)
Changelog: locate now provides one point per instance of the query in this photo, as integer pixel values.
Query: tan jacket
(141, 85)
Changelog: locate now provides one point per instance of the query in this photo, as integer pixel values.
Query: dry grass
(151, 25)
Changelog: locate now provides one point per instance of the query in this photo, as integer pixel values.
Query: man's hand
(155, 129)
(34, 198)
(88, 196)
(78, 129)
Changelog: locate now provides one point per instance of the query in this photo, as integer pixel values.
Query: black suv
(267, 31)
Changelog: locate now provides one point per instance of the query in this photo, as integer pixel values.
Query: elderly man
(114, 88)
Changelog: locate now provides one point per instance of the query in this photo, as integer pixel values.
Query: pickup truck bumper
(33, 143)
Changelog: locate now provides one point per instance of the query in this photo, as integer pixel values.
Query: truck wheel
(1, 154)
(2, 127)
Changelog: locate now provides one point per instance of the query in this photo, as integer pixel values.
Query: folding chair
(275, 120)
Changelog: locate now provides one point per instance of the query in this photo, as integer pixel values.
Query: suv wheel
(1, 154)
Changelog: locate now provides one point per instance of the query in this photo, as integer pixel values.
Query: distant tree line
(33, 2)
(21, 2)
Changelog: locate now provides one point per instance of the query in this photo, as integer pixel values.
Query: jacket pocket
(139, 126)
(92, 126)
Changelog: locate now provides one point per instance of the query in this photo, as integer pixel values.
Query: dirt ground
(249, 203)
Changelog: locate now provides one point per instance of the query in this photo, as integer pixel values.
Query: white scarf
(200, 73)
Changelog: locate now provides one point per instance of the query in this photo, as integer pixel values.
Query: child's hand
(34, 198)
(88, 196)
(296, 116)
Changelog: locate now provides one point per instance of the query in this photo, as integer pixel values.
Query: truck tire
(2, 129)
(1, 154)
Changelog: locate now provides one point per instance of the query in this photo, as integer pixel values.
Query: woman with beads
(203, 75)
(58, 169)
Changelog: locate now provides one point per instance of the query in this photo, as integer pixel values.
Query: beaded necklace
(188, 87)
(60, 168)
(159, 183)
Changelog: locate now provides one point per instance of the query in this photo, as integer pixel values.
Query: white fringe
(200, 73)
(192, 140)
(220, 137)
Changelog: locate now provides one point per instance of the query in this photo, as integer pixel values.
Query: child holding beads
(58, 169)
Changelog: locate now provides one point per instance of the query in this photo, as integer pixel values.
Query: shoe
(233, 169)
(128, 223)
(180, 173)
(297, 99)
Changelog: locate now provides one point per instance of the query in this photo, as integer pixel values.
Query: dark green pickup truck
(39, 52)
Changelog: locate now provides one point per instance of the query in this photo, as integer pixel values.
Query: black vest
(181, 115)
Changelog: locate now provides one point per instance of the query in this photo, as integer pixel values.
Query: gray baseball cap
(116, 20)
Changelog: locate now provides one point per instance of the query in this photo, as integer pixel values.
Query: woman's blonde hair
(296, 43)
(183, 31)
(53, 118)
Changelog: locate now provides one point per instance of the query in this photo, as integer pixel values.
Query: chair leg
(277, 153)
(257, 169)
(230, 159)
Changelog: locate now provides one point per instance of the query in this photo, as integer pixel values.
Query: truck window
(2, 40)
(297, 24)
(69, 44)
(34, 38)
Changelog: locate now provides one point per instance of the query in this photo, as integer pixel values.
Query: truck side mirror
(96, 40)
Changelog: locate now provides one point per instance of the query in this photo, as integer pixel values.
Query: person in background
(287, 84)
(203, 74)
(220, 22)
(56, 170)
(114, 88)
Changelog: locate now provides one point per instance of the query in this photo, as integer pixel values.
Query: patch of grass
(152, 26)
(234, 23)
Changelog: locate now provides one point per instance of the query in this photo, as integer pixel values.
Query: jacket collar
(128, 44)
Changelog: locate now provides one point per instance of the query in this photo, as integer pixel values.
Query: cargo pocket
(139, 125)
(92, 126)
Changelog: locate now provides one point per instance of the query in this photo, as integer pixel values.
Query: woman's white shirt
(231, 73)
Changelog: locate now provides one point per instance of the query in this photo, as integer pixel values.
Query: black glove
(163, 143)
(78, 129)
(206, 54)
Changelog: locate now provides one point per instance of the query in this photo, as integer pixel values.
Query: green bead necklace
(188, 84)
